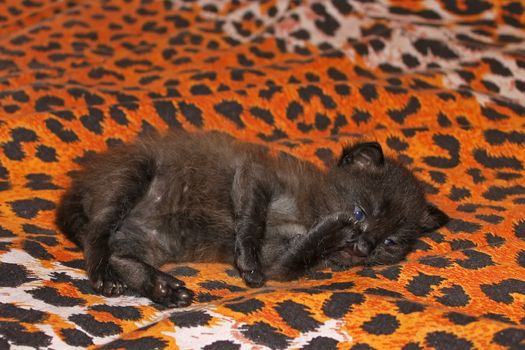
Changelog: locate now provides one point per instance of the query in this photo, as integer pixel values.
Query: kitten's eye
(389, 242)
(359, 214)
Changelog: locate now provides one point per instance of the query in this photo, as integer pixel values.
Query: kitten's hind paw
(169, 291)
(253, 278)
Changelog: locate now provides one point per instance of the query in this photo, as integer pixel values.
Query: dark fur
(207, 197)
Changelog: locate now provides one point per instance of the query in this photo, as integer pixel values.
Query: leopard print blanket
(439, 83)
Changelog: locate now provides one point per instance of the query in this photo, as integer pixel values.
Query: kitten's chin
(346, 258)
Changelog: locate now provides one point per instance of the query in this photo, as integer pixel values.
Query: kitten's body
(208, 197)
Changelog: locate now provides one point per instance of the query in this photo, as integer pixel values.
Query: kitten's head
(388, 204)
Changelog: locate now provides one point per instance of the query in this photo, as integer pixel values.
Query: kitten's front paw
(106, 282)
(253, 278)
(169, 291)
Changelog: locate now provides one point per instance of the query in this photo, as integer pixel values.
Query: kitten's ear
(363, 155)
(433, 218)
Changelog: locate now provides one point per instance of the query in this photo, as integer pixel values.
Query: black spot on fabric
(438, 176)
(92, 326)
(442, 340)
(246, 306)
(490, 86)
(340, 303)
(501, 292)
(459, 225)
(514, 107)
(75, 337)
(13, 150)
(391, 272)
(294, 110)
(443, 120)
(384, 292)
(453, 296)
(192, 113)
(6, 233)
(277, 134)
(200, 90)
(56, 127)
(182, 270)
(29, 208)
(118, 115)
(120, 312)
(52, 297)
(396, 144)
(36, 250)
(300, 34)
(476, 175)
(422, 284)
(89, 98)
(13, 275)
(231, 110)
(17, 334)
(321, 343)
(459, 244)
(340, 121)
(498, 317)
(512, 338)
(46, 103)
(297, 316)
(492, 114)
(494, 240)
(381, 324)
(521, 259)
(263, 334)
(321, 121)
(263, 114)
(22, 314)
(369, 92)
(436, 261)
(306, 94)
(167, 112)
(410, 61)
(399, 115)
(519, 230)
(268, 93)
(409, 307)
(497, 67)
(497, 193)
(213, 285)
(459, 193)
(504, 175)
(496, 162)
(337, 286)
(336, 74)
(23, 135)
(492, 219)
(435, 47)
(342, 89)
(46, 154)
(222, 345)
(190, 318)
(451, 145)
(40, 182)
(460, 319)
(360, 116)
(362, 346)
(327, 24)
(93, 120)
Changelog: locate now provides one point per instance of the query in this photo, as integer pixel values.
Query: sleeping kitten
(207, 197)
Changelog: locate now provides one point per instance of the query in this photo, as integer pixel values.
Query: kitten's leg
(251, 194)
(307, 250)
(109, 201)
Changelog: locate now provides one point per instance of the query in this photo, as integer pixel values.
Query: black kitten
(207, 197)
